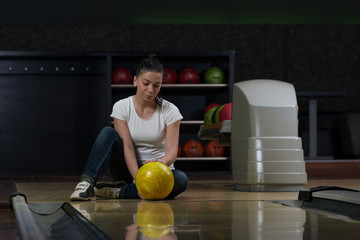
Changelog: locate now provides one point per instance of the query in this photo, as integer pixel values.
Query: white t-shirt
(148, 135)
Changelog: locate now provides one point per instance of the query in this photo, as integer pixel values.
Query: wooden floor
(209, 209)
(198, 190)
(8, 228)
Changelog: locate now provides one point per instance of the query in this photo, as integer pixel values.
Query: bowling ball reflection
(155, 219)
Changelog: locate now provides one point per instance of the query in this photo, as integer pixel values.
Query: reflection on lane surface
(133, 219)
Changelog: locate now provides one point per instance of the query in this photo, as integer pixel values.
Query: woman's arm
(129, 151)
(172, 143)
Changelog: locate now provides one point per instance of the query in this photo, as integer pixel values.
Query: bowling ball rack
(220, 131)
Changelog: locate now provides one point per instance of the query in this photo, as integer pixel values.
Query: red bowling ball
(121, 76)
(170, 76)
(189, 75)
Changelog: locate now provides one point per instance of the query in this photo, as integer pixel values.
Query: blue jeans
(108, 151)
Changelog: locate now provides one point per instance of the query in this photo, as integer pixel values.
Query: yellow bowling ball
(154, 181)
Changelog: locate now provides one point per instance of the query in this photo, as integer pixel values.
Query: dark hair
(151, 64)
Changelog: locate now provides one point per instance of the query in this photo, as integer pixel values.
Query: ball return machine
(266, 152)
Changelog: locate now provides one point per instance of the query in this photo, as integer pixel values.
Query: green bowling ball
(208, 116)
(214, 75)
(215, 115)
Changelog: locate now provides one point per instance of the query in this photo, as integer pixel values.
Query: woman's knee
(181, 180)
(108, 133)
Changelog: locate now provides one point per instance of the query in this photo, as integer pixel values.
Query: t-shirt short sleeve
(148, 135)
(121, 109)
(171, 113)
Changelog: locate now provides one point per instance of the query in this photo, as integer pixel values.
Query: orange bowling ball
(192, 148)
(154, 181)
(179, 151)
(213, 149)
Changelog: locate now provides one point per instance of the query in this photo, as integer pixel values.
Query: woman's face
(148, 85)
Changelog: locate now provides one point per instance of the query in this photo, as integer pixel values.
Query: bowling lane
(131, 219)
(207, 210)
(38, 192)
(197, 190)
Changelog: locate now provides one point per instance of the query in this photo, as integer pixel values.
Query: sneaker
(108, 190)
(83, 191)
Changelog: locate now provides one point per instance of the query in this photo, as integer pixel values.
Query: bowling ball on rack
(208, 116)
(121, 76)
(214, 75)
(213, 149)
(209, 106)
(215, 115)
(170, 76)
(154, 180)
(179, 151)
(192, 148)
(189, 75)
(225, 113)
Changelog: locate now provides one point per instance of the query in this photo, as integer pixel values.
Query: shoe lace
(81, 186)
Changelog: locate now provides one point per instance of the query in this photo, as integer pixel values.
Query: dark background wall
(180, 12)
(316, 57)
(312, 44)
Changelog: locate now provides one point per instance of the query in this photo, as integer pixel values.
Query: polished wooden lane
(207, 210)
(197, 190)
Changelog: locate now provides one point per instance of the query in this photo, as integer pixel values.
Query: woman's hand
(141, 196)
(154, 160)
